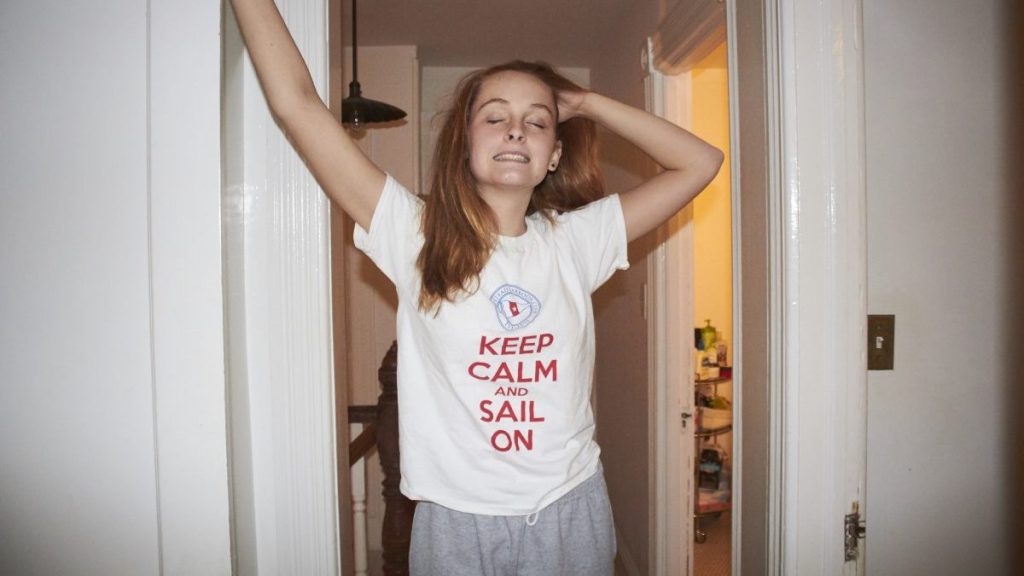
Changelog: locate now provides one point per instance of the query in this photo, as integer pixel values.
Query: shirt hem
(484, 510)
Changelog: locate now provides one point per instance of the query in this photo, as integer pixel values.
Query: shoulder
(398, 193)
(396, 218)
(600, 209)
(397, 204)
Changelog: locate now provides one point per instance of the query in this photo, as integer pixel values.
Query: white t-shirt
(494, 390)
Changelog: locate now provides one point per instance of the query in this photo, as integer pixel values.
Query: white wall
(112, 432)
(937, 256)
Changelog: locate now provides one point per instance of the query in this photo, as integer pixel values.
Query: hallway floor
(712, 558)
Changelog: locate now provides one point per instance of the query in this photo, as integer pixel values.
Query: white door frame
(687, 34)
(670, 292)
(277, 269)
(823, 277)
(810, 61)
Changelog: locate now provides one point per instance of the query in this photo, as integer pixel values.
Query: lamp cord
(355, 44)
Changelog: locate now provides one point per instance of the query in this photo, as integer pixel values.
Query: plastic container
(711, 418)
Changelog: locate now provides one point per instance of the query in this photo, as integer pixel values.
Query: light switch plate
(881, 341)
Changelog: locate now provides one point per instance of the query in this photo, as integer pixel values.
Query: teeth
(512, 157)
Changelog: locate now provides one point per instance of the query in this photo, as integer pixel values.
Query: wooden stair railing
(382, 429)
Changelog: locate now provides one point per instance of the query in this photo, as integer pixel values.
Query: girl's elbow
(715, 159)
(712, 162)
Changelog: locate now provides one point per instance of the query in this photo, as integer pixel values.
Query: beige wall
(623, 411)
(437, 84)
(388, 74)
(939, 258)
(1013, 318)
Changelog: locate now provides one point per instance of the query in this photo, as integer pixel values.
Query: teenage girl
(494, 271)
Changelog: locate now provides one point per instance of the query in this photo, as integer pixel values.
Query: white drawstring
(532, 517)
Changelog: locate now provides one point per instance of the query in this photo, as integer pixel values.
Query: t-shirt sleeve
(597, 232)
(392, 242)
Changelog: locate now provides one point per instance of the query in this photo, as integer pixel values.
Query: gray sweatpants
(574, 536)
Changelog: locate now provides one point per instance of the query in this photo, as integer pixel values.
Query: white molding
(777, 415)
(670, 295)
(736, 204)
(654, 92)
(276, 227)
(187, 287)
(687, 34)
(824, 283)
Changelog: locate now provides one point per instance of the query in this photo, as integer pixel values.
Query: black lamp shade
(356, 110)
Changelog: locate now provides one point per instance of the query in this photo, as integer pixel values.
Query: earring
(553, 166)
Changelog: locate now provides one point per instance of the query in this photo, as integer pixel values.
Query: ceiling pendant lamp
(356, 110)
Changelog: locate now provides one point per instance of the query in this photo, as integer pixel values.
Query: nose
(514, 134)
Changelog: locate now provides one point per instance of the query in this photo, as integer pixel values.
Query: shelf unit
(701, 435)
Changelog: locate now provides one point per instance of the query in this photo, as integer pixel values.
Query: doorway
(713, 312)
(693, 334)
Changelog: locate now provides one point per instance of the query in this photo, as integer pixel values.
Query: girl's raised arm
(689, 162)
(339, 166)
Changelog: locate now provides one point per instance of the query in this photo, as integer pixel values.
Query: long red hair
(459, 228)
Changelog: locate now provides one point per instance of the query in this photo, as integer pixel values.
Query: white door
(691, 280)
(671, 302)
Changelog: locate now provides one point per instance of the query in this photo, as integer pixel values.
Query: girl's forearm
(669, 145)
(689, 162)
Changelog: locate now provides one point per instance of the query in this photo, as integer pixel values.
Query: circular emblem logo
(515, 307)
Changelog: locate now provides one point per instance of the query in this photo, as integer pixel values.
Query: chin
(521, 178)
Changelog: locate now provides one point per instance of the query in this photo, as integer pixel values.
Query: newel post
(398, 510)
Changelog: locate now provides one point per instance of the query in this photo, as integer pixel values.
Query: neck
(509, 207)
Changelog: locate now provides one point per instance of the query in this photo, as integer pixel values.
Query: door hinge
(855, 528)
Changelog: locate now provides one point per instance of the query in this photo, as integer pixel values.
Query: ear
(556, 156)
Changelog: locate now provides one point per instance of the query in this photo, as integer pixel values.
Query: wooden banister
(361, 446)
(398, 510)
(382, 431)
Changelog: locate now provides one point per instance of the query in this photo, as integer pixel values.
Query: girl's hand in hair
(570, 104)
(689, 163)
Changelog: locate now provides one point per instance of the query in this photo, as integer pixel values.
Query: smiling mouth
(513, 157)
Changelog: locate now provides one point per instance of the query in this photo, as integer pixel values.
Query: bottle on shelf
(708, 335)
(707, 366)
